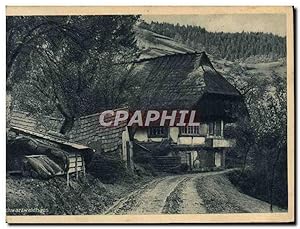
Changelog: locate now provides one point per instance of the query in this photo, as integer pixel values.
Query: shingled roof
(86, 130)
(178, 81)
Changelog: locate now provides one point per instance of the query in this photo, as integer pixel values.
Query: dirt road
(181, 194)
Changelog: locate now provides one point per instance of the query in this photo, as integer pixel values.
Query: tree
(263, 140)
(25, 34)
(71, 77)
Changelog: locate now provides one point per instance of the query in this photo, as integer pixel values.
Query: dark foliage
(254, 184)
(69, 66)
(109, 168)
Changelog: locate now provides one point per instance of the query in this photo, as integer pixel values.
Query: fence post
(68, 178)
(83, 166)
(76, 166)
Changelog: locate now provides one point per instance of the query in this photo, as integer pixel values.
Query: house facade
(199, 147)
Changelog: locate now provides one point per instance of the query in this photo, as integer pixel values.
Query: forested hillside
(231, 46)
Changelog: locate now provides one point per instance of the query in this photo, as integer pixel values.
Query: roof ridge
(52, 117)
(31, 115)
(98, 113)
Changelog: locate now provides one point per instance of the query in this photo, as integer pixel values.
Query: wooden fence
(75, 165)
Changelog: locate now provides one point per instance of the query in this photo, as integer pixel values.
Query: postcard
(149, 115)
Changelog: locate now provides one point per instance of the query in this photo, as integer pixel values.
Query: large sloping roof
(86, 130)
(178, 81)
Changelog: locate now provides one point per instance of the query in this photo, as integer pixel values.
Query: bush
(108, 168)
(184, 167)
(144, 170)
(256, 184)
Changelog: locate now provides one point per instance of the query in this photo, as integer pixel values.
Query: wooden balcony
(219, 142)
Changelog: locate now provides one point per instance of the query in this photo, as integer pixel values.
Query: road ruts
(152, 197)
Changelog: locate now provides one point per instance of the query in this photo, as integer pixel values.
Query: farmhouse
(176, 78)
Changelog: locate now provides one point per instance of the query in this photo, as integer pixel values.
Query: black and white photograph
(149, 114)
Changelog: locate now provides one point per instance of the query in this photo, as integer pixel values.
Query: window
(190, 130)
(211, 128)
(157, 131)
(218, 128)
(215, 128)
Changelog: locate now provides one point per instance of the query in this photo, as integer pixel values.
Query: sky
(268, 23)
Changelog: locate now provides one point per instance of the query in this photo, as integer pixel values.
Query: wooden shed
(80, 145)
(42, 156)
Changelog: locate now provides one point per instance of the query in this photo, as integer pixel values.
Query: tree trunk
(273, 179)
(67, 125)
(9, 108)
(69, 117)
